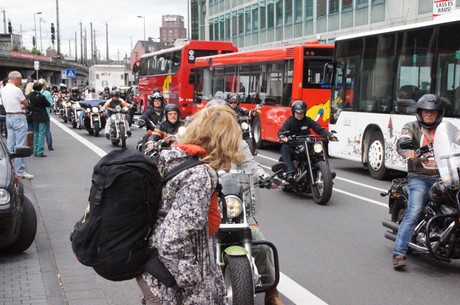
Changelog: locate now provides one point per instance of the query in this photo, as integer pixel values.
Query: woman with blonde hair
(189, 216)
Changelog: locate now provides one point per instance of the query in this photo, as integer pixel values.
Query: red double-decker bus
(169, 70)
(273, 77)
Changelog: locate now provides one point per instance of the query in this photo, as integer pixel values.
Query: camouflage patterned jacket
(181, 235)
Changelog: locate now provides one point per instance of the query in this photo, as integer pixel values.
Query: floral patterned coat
(181, 235)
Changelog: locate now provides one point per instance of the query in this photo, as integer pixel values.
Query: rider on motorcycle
(111, 104)
(106, 93)
(421, 174)
(296, 125)
(170, 126)
(155, 113)
(233, 100)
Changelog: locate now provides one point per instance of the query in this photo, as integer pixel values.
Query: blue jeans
(17, 130)
(39, 138)
(49, 138)
(418, 192)
(286, 153)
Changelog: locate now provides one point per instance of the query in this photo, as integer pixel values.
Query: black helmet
(123, 93)
(74, 90)
(114, 88)
(171, 107)
(54, 88)
(157, 95)
(155, 90)
(116, 93)
(106, 89)
(299, 107)
(430, 102)
(234, 97)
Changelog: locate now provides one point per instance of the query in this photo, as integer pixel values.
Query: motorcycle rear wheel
(238, 280)
(322, 189)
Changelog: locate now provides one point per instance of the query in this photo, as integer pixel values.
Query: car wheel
(28, 229)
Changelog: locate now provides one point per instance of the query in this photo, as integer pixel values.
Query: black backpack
(113, 236)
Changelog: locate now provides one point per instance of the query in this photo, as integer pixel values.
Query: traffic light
(52, 33)
(33, 41)
(10, 28)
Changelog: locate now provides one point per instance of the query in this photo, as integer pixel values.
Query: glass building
(264, 23)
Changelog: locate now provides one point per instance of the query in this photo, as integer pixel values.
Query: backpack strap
(181, 167)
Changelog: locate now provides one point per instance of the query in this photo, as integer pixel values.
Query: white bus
(378, 78)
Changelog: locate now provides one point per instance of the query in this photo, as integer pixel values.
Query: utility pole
(81, 43)
(86, 48)
(92, 42)
(4, 20)
(58, 33)
(76, 57)
(107, 40)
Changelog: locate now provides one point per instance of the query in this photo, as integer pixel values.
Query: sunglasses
(233, 103)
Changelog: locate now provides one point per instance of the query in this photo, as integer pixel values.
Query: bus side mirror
(328, 73)
(191, 79)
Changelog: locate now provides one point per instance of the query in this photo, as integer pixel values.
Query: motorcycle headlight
(244, 126)
(87, 109)
(73, 106)
(118, 108)
(95, 109)
(69, 104)
(234, 206)
(318, 148)
(4, 196)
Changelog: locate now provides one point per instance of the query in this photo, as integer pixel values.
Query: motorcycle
(63, 109)
(438, 233)
(312, 171)
(94, 120)
(243, 259)
(74, 114)
(119, 126)
(245, 123)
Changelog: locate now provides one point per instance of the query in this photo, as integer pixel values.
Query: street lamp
(35, 27)
(143, 17)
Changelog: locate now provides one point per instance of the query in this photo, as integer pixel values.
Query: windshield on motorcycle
(446, 148)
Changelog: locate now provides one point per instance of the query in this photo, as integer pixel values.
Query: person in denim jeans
(422, 174)
(15, 104)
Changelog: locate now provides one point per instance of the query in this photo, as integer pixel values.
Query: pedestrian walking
(40, 117)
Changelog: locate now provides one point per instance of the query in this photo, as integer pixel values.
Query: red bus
(169, 70)
(273, 76)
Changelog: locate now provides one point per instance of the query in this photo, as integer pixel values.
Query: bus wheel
(376, 157)
(257, 132)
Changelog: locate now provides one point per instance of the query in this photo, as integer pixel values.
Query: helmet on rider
(116, 94)
(74, 91)
(298, 107)
(234, 99)
(106, 89)
(430, 102)
(123, 94)
(156, 90)
(62, 87)
(157, 96)
(171, 108)
(54, 88)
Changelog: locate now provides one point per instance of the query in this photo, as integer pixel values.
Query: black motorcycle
(249, 263)
(312, 172)
(438, 232)
(245, 123)
(94, 119)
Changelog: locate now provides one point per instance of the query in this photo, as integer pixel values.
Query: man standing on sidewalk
(15, 104)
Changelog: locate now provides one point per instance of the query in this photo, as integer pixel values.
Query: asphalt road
(334, 254)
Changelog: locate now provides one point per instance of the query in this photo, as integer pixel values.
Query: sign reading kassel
(442, 7)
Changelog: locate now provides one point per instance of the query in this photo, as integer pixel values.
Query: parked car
(18, 219)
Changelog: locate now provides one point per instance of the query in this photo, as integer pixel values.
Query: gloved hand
(141, 123)
(333, 138)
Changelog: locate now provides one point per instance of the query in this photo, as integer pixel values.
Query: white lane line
(296, 293)
(79, 138)
(362, 184)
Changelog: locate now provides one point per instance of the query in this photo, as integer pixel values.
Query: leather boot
(272, 297)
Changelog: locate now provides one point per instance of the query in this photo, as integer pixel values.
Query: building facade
(266, 23)
(172, 28)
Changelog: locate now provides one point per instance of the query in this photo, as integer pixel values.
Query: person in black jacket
(40, 117)
(155, 113)
(296, 125)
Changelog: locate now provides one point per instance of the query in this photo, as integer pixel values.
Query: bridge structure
(52, 69)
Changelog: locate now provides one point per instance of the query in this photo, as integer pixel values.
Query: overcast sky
(123, 24)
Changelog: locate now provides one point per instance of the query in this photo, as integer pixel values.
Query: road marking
(296, 293)
(79, 138)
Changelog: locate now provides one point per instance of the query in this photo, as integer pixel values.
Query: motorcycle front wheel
(123, 135)
(238, 280)
(321, 187)
(96, 129)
